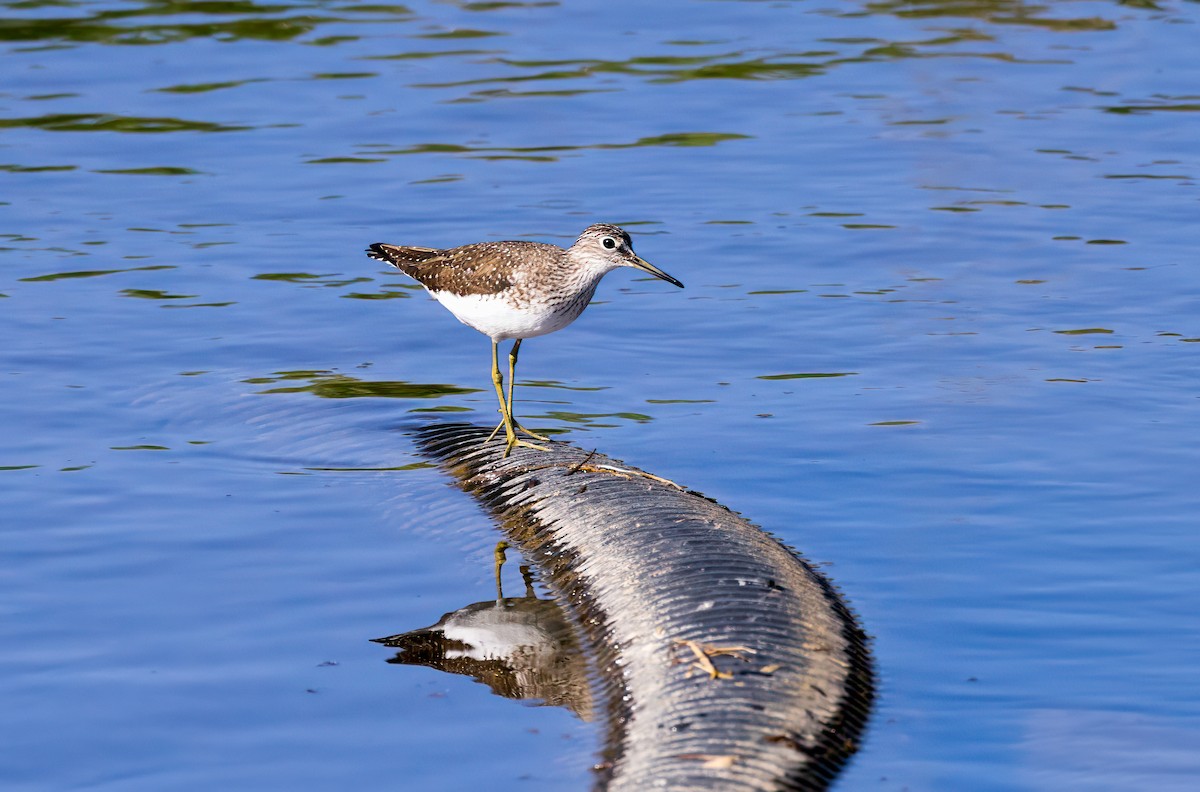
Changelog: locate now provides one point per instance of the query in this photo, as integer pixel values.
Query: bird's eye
(609, 243)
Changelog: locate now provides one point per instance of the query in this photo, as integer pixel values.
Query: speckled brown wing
(483, 268)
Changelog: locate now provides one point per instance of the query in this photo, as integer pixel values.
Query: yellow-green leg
(527, 576)
(510, 432)
(512, 378)
(500, 559)
(526, 573)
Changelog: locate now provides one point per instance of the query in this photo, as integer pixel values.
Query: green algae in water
(89, 273)
(328, 385)
(807, 375)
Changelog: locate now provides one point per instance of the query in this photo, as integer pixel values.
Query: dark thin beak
(645, 266)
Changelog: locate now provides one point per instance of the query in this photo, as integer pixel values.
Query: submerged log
(723, 660)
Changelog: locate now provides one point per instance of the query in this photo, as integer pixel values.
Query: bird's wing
(483, 268)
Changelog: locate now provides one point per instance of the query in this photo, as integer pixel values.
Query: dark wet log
(725, 661)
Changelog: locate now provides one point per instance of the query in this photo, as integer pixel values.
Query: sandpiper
(517, 290)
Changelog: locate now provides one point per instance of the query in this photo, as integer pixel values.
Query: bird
(514, 290)
(521, 647)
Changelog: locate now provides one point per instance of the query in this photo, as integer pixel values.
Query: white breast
(496, 317)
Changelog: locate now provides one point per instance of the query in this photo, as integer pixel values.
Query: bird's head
(605, 247)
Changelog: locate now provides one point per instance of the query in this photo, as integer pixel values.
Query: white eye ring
(609, 243)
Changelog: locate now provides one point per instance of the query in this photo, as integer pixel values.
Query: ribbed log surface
(655, 576)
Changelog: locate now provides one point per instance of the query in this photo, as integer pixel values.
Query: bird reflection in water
(520, 647)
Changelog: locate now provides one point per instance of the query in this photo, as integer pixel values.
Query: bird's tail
(401, 256)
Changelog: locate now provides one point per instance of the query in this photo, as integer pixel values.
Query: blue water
(981, 217)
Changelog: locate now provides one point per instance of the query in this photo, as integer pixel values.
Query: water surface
(939, 331)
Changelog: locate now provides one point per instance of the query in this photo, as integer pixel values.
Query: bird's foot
(516, 427)
(530, 432)
(513, 442)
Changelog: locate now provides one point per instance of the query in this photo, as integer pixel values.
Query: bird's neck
(584, 271)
